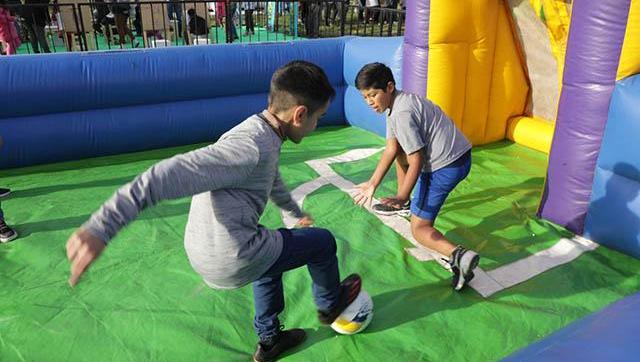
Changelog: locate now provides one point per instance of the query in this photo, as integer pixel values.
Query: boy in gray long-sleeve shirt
(230, 182)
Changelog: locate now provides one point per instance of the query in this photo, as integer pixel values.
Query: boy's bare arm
(411, 177)
(364, 193)
(415, 167)
(388, 156)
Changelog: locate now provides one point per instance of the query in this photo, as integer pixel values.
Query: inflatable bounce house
(546, 90)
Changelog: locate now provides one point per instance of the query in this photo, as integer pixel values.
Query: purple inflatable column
(416, 47)
(593, 53)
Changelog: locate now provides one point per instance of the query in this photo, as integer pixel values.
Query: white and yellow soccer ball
(356, 317)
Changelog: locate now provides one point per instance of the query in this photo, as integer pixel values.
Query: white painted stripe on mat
(298, 195)
(562, 252)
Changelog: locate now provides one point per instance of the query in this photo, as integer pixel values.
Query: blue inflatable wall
(613, 218)
(358, 52)
(608, 335)
(76, 105)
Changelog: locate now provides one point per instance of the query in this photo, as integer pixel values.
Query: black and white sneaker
(6, 233)
(4, 192)
(384, 209)
(463, 262)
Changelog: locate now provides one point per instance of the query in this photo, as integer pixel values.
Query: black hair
(374, 76)
(300, 83)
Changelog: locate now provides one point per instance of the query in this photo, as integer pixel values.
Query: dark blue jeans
(313, 247)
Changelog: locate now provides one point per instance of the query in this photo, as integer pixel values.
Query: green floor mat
(142, 300)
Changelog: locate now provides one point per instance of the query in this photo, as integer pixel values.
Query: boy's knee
(421, 226)
(414, 231)
(328, 240)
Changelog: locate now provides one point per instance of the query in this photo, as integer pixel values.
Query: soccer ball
(356, 317)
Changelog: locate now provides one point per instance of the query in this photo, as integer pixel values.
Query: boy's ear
(299, 112)
(390, 87)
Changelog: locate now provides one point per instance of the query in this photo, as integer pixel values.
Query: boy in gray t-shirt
(430, 153)
(231, 181)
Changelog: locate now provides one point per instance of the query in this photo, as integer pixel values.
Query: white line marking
(506, 276)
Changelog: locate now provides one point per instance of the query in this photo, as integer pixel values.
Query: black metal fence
(70, 25)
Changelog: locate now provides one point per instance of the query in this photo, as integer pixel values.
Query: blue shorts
(432, 188)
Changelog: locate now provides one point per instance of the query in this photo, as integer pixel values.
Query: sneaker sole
(403, 213)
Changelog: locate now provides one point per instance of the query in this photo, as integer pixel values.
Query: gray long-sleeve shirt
(230, 181)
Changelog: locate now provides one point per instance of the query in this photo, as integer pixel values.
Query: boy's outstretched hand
(364, 194)
(305, 221)
(82, 249)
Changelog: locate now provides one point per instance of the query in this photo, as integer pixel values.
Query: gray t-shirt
(418, 124)
(231, 181)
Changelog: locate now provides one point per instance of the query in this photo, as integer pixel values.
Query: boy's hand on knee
(363, 196)
(82, 249)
